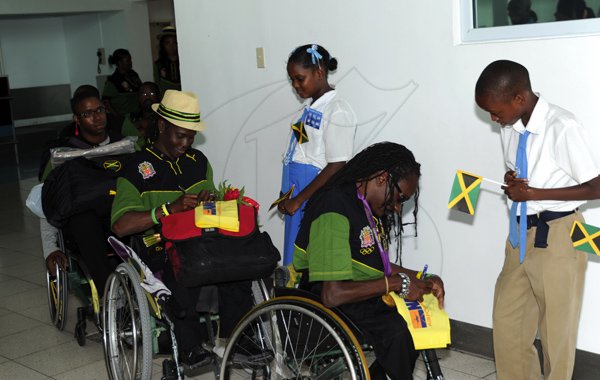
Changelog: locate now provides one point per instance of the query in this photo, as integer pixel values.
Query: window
(488, 20)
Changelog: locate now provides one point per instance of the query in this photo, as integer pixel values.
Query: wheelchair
(77, 279)
(133, 319)
(293, 336)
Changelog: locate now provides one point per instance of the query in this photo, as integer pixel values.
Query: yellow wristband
(163, 207)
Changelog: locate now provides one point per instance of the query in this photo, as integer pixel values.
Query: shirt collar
(537, 119)
(325, 98)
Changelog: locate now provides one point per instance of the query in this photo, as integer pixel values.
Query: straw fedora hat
(180, 108)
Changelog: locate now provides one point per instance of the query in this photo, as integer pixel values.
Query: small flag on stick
(299, 130)
(586, 237)
(465, 192)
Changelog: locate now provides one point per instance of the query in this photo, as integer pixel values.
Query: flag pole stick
(494, 182)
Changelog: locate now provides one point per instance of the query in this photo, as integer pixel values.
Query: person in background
(572, 10)
(166, 67)
(114, 122)
(120, 89)
(321, 139)
(551, 173)
(520, 12)
(143, 123)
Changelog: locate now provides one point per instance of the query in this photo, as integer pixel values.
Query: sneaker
(195, 359)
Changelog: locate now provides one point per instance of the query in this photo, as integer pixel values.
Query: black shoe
(195, 359)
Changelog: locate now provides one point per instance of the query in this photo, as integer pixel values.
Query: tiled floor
(31, 348)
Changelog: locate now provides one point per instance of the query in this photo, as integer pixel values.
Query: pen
(423, 272)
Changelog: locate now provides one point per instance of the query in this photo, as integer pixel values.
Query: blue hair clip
(314, 54)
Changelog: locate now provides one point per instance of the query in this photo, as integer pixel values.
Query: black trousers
(234, 301)
(387, 332)
(87, 232)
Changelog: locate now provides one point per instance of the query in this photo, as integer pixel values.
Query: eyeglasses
(401, 197)
(89, 113)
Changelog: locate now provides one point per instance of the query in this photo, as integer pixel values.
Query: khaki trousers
(541, 296)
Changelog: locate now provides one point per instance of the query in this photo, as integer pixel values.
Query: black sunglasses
(402, 198)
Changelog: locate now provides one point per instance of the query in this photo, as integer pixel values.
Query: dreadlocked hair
(388, 157)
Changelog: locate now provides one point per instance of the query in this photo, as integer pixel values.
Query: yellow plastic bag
(219, 214)
(428, 324)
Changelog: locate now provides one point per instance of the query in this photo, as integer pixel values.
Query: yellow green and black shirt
(335, 242)
(150, 179)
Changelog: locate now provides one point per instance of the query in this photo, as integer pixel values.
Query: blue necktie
(519, 236)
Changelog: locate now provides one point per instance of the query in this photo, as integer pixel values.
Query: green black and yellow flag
(585, 237)
(300, 132)
(465, 192)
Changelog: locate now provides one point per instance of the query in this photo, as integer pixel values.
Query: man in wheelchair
(81, 186)
(167, 177)
(342, 251)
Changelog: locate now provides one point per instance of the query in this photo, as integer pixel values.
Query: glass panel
(517, 12)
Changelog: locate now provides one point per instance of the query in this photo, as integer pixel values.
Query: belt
(540, 221)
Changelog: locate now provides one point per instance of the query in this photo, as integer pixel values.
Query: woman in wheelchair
(171, 177)
(342, 251)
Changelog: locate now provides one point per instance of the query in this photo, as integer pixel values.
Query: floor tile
(92, 371)
(52, 361)
(32, 340)
(456, 360)
(15, 286)
(30, 265)
(26, 244)
(13, 323)
(4, 277)
(10, 258)
(12, 370)
(40, 313)
(450, 374)
(3, 359)
(36, 278)
(25, 300)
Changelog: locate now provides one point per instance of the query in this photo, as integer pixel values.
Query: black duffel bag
(212, 256)
(79, 185)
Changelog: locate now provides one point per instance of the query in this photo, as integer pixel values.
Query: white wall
(161, 11)
(41, 50)
(34, 51)
(408, 82)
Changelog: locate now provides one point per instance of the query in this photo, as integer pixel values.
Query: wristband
(153, 215)
(403, 293)
(163, 207)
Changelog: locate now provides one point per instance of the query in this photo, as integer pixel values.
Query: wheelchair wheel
(293, 338)
(126, 326)
(58, 296)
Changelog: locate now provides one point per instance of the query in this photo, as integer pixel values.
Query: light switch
(260, 57)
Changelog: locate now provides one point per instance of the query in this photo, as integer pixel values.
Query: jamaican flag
(300, 131)
(585, 237)
(465, 192)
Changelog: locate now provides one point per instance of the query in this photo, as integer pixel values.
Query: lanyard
(385, 257)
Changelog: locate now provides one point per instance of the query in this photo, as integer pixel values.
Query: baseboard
(477, 340)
